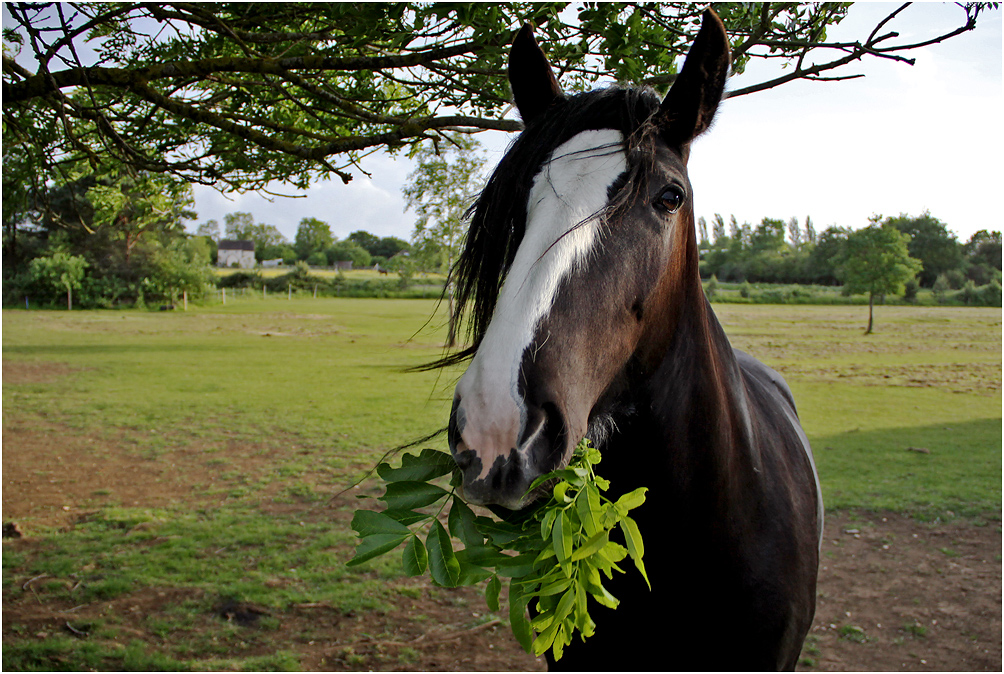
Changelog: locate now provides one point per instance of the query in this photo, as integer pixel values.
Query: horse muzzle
(500, 457)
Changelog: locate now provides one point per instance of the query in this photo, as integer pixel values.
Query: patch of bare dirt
(896, 594)
(35, 373)
(53, 474)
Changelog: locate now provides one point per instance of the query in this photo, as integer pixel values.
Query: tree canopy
(876, 260)
(238, 95)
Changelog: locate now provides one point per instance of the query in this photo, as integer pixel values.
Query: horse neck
(698, 395)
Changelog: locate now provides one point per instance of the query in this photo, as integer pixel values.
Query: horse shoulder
(772, 392)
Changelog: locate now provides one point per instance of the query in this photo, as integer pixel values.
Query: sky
(903, 139)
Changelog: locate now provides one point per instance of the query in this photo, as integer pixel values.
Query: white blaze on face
(569, 190)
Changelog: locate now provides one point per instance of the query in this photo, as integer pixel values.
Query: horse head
(580, 254)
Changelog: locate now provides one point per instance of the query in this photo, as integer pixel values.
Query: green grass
(327, 370)
(285, 403)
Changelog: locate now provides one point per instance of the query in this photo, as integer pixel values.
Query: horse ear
(690, 105)
(534, 86)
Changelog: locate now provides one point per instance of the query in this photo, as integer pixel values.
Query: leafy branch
(238, 95)
(560, 550)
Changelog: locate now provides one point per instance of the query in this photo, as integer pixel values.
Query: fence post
(224, 296)
(289, 291)
(264, 292)
(315, 291)
(184, 294)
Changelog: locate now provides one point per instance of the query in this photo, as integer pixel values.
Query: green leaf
(367, 523)
(408, 495)
(545, 638)
(518, 620)
(565, 605)
(547, 522)
(374, 546)
(632, 499)
(555, 586)
(429, 464)
(587, 504)
(492, 591)
(462, 524)
(516, 567)
(500, 533)
(561, 492)
(561, 538)
(592, 546)
(443, 564)
(635, 546)
(416, 559)
(481, 556)
(406, 517)
(583, 622)
(472, 575)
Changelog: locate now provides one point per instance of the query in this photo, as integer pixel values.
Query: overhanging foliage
(238, 95)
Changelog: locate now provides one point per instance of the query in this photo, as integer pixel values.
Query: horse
(580, 287)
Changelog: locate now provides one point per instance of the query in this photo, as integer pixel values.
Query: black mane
(499, 215)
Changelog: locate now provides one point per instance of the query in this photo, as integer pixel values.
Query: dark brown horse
(580, 284)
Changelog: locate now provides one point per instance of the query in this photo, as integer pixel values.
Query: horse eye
(670, 200)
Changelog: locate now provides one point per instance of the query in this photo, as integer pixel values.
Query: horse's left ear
(534, 86)
(690, 105)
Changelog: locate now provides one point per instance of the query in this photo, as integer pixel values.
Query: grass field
(207, 446)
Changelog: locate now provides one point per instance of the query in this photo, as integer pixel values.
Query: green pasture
(285, 403)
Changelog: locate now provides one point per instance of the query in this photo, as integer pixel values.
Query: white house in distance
(232, 253)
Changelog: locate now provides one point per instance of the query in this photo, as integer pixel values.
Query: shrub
(910, 290)
(745, 289)
(968, 294)
(317, 259)
(956, 279)
(941, 288)
(990, 294)
(712, 287)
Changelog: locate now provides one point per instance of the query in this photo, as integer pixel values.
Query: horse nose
(499, 470)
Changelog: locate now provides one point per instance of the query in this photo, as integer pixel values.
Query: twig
(75, 630)
(38, 577)
(75, 608)
(27, 585)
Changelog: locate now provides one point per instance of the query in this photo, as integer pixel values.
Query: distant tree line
(116, 237)
(779, 251)
(313, 243)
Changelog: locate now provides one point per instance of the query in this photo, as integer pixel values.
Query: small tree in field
(59, 271)
(875, 260)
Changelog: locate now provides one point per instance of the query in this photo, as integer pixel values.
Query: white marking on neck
(561, 228)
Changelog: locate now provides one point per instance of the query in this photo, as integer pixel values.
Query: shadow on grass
(942, 470)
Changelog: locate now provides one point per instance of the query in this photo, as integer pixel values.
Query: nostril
(464, 459)
(456, 425)
(638, 310)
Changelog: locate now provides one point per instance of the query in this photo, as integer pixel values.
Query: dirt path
(894, 593)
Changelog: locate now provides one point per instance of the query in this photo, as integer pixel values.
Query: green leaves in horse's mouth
(554, 554)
